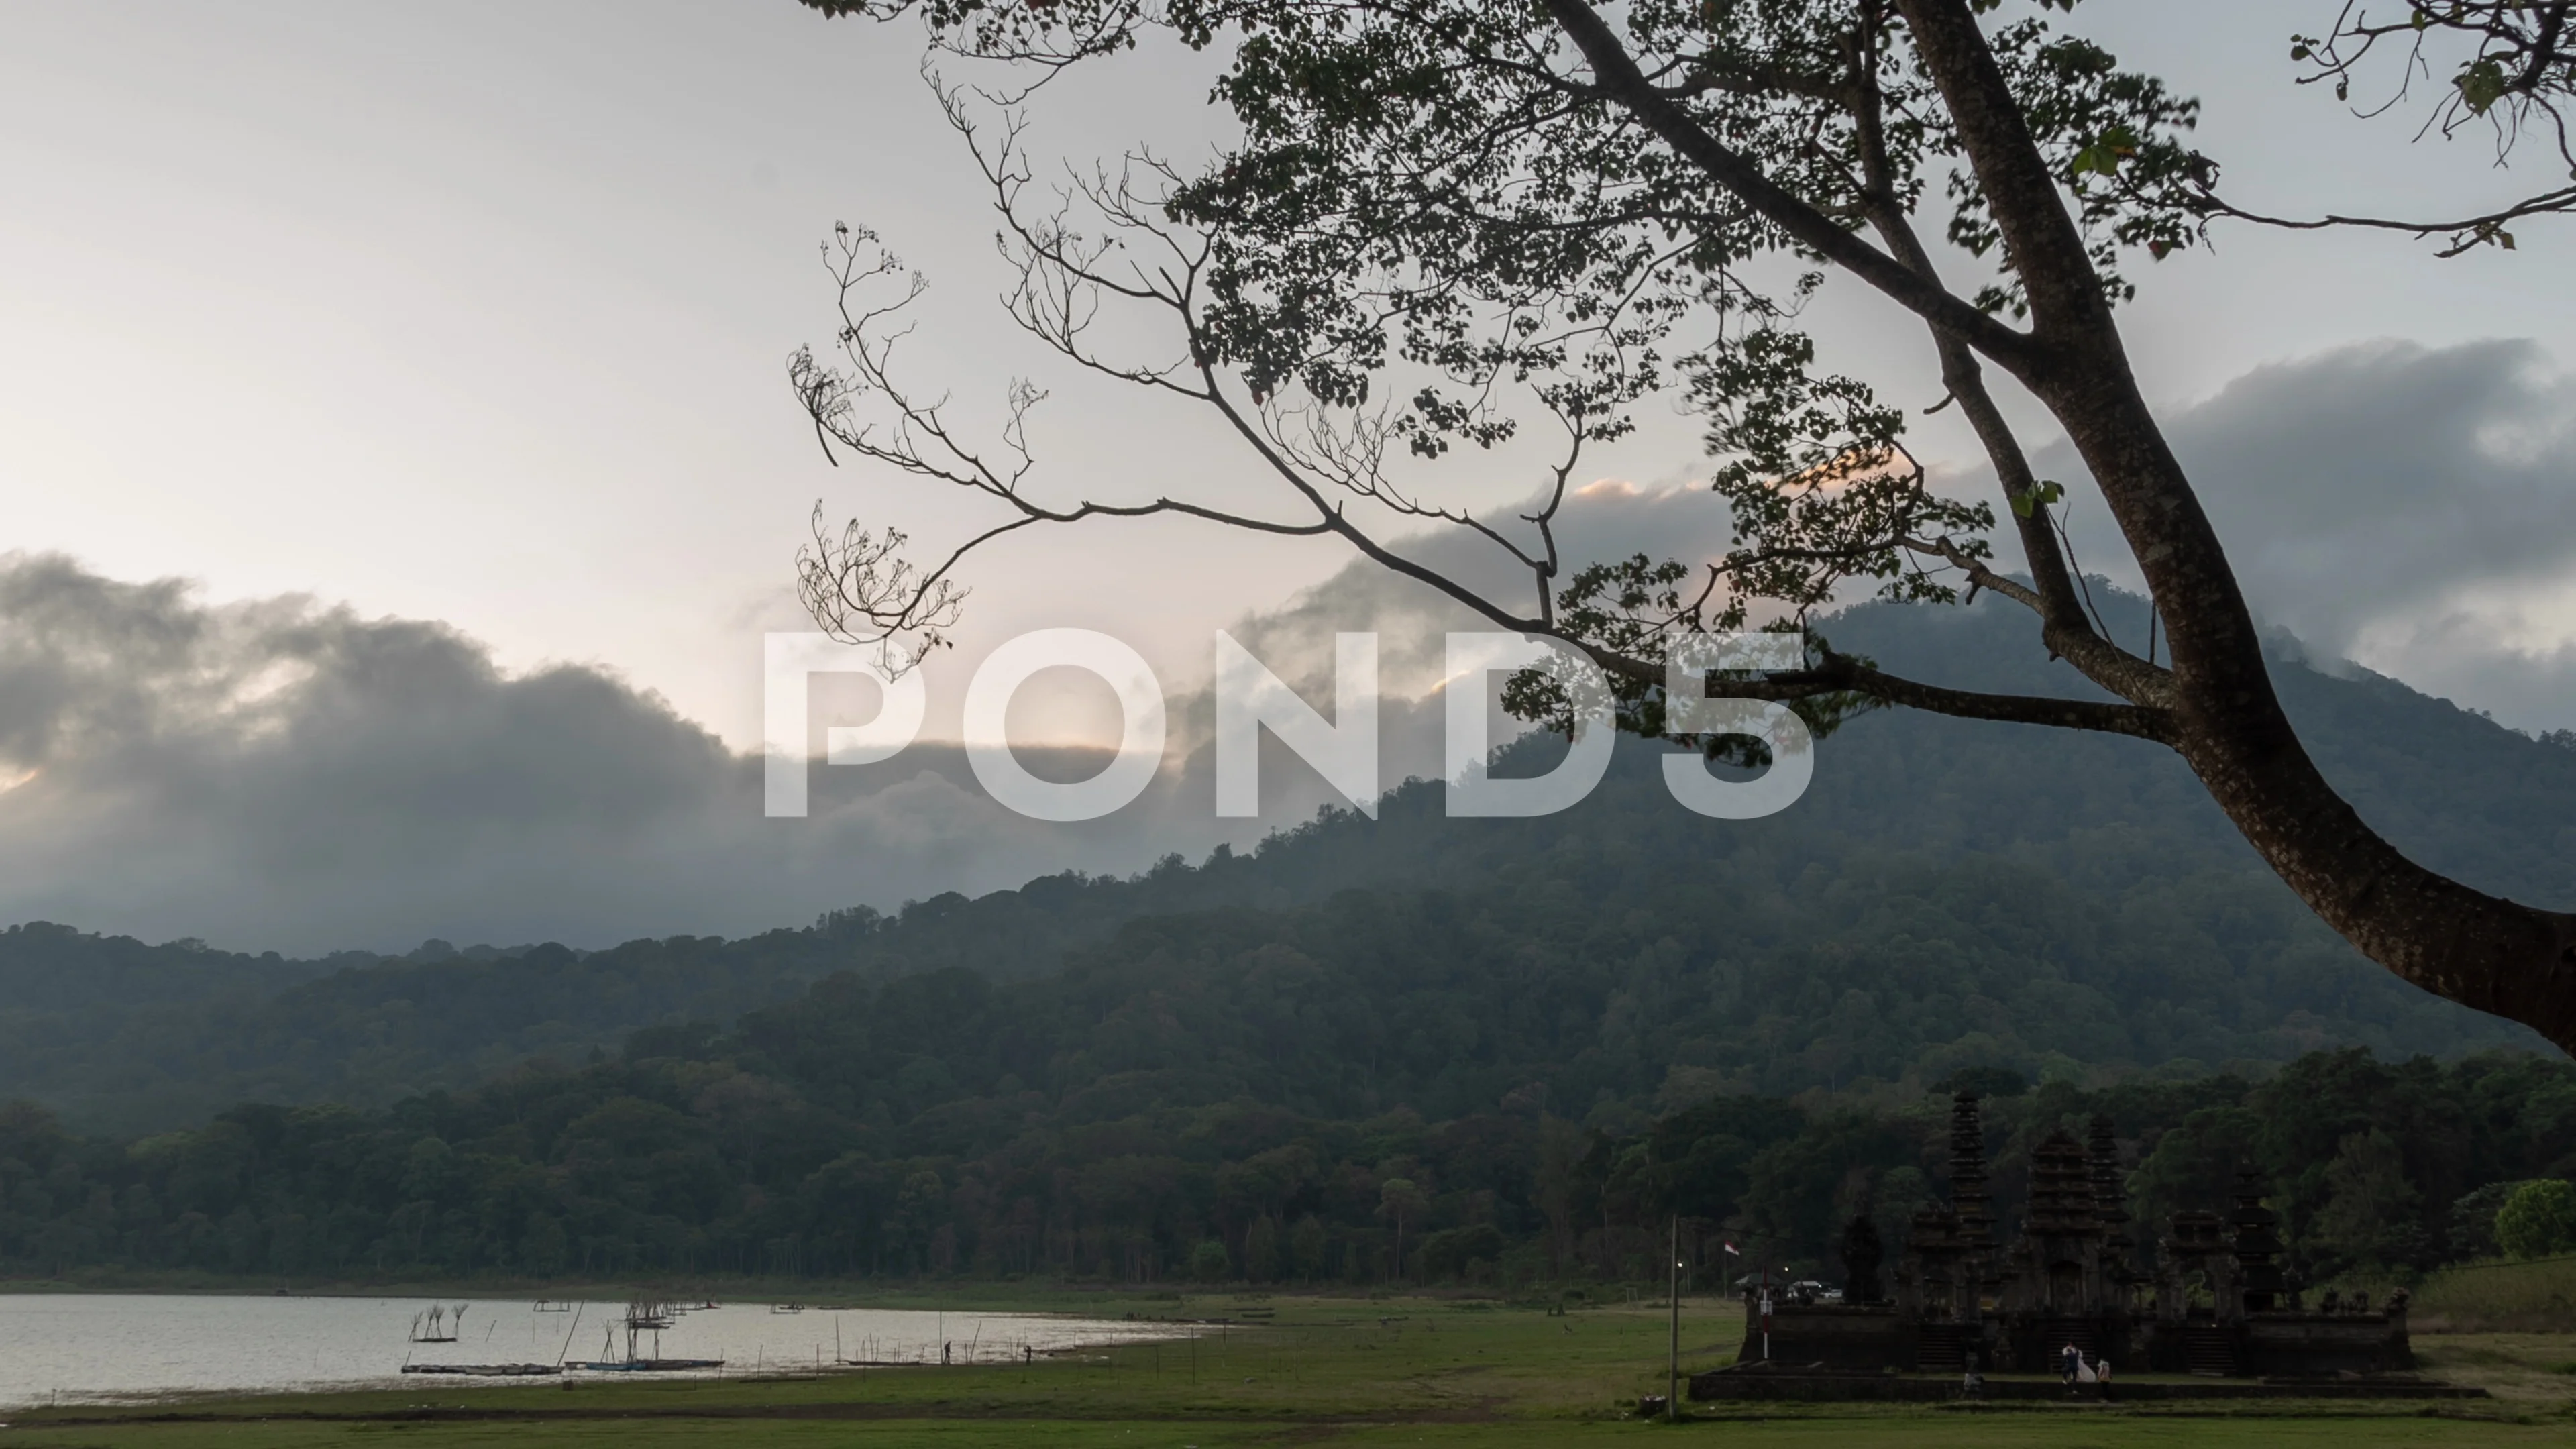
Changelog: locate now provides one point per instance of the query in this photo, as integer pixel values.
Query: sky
(398, 470)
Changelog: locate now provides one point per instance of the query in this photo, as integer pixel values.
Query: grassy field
(1322, 1371)
(2536, 1296)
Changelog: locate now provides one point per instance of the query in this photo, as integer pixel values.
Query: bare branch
(2465, 233)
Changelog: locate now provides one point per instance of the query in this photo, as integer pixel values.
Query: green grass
(1921, 1433)
(1338, 1372)
(2538, 1296)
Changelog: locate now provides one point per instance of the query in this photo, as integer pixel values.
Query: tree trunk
(2497, 955)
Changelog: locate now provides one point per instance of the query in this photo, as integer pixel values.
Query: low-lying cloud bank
(2410, 508)
(281, 774)
(285, 775)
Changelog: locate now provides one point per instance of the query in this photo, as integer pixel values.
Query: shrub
(2538, 1220)
(1454, 1251)
(1209, 1262)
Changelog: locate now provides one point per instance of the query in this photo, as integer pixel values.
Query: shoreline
(1350, 1368)
(988, 1295)
(853, 1294)
(750, 1344)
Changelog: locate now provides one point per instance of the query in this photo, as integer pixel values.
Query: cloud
(281, 773)
(278, 774)
(2412, 508)
(1607, 518)
(284, 774)
(2407, 507)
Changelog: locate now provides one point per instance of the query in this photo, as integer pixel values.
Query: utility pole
(1673, 1369)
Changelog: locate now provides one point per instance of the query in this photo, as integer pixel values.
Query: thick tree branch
(1837, 674)
(1841, 673)
(2063, 626)
(2491, 953)
(2041, 242)
(1379, 216)
(1616, 75)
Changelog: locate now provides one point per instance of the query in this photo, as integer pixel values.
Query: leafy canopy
(1438, 230)
(1445, 225)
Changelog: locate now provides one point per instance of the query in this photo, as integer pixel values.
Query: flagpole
(1728, 1250)
(1673, 1370)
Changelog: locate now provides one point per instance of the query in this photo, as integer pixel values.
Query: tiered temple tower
(1949, 1264)
(1970, 1202)
(2056, 1266)
(2110, 1208)
(2222, 1305)
(2257, 1245)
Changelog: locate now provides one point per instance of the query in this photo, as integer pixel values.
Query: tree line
(750, 1153)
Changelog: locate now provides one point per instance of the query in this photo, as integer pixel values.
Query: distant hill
(120, 1036)
(1947, 894)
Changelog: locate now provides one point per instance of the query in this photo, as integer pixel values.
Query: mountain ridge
(2062, 854)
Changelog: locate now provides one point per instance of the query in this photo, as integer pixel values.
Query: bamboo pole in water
(577, 1310)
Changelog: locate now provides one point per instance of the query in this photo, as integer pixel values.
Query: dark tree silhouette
(1447, 223)
(1862, 1255)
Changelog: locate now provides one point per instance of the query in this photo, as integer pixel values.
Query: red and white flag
(1730, 1251)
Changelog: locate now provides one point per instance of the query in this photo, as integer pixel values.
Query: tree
(1261, 1250)
(1400, 1201)
(2539, 1219)
(2373, 1212)
(2473, 1219)
(1447, 224)
(1861, 1253)
(1983, 1082)
(1306, 1246)
(1209, 1262)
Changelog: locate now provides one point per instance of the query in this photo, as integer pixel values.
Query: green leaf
(2025, 504)
(2481, 85)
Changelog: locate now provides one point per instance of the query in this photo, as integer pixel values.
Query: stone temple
(2216, 1304)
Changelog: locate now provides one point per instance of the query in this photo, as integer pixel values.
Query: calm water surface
(96, 1347)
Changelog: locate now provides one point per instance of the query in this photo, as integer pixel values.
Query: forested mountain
(1948, 893)
(1512, 1040)
(126, 1037)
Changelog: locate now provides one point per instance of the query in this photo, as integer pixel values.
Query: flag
(1730, 1251)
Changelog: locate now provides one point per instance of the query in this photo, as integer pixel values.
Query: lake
(101, 1347)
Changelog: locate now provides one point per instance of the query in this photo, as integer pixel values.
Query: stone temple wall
(1835, 1337)
(2221, 1304)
